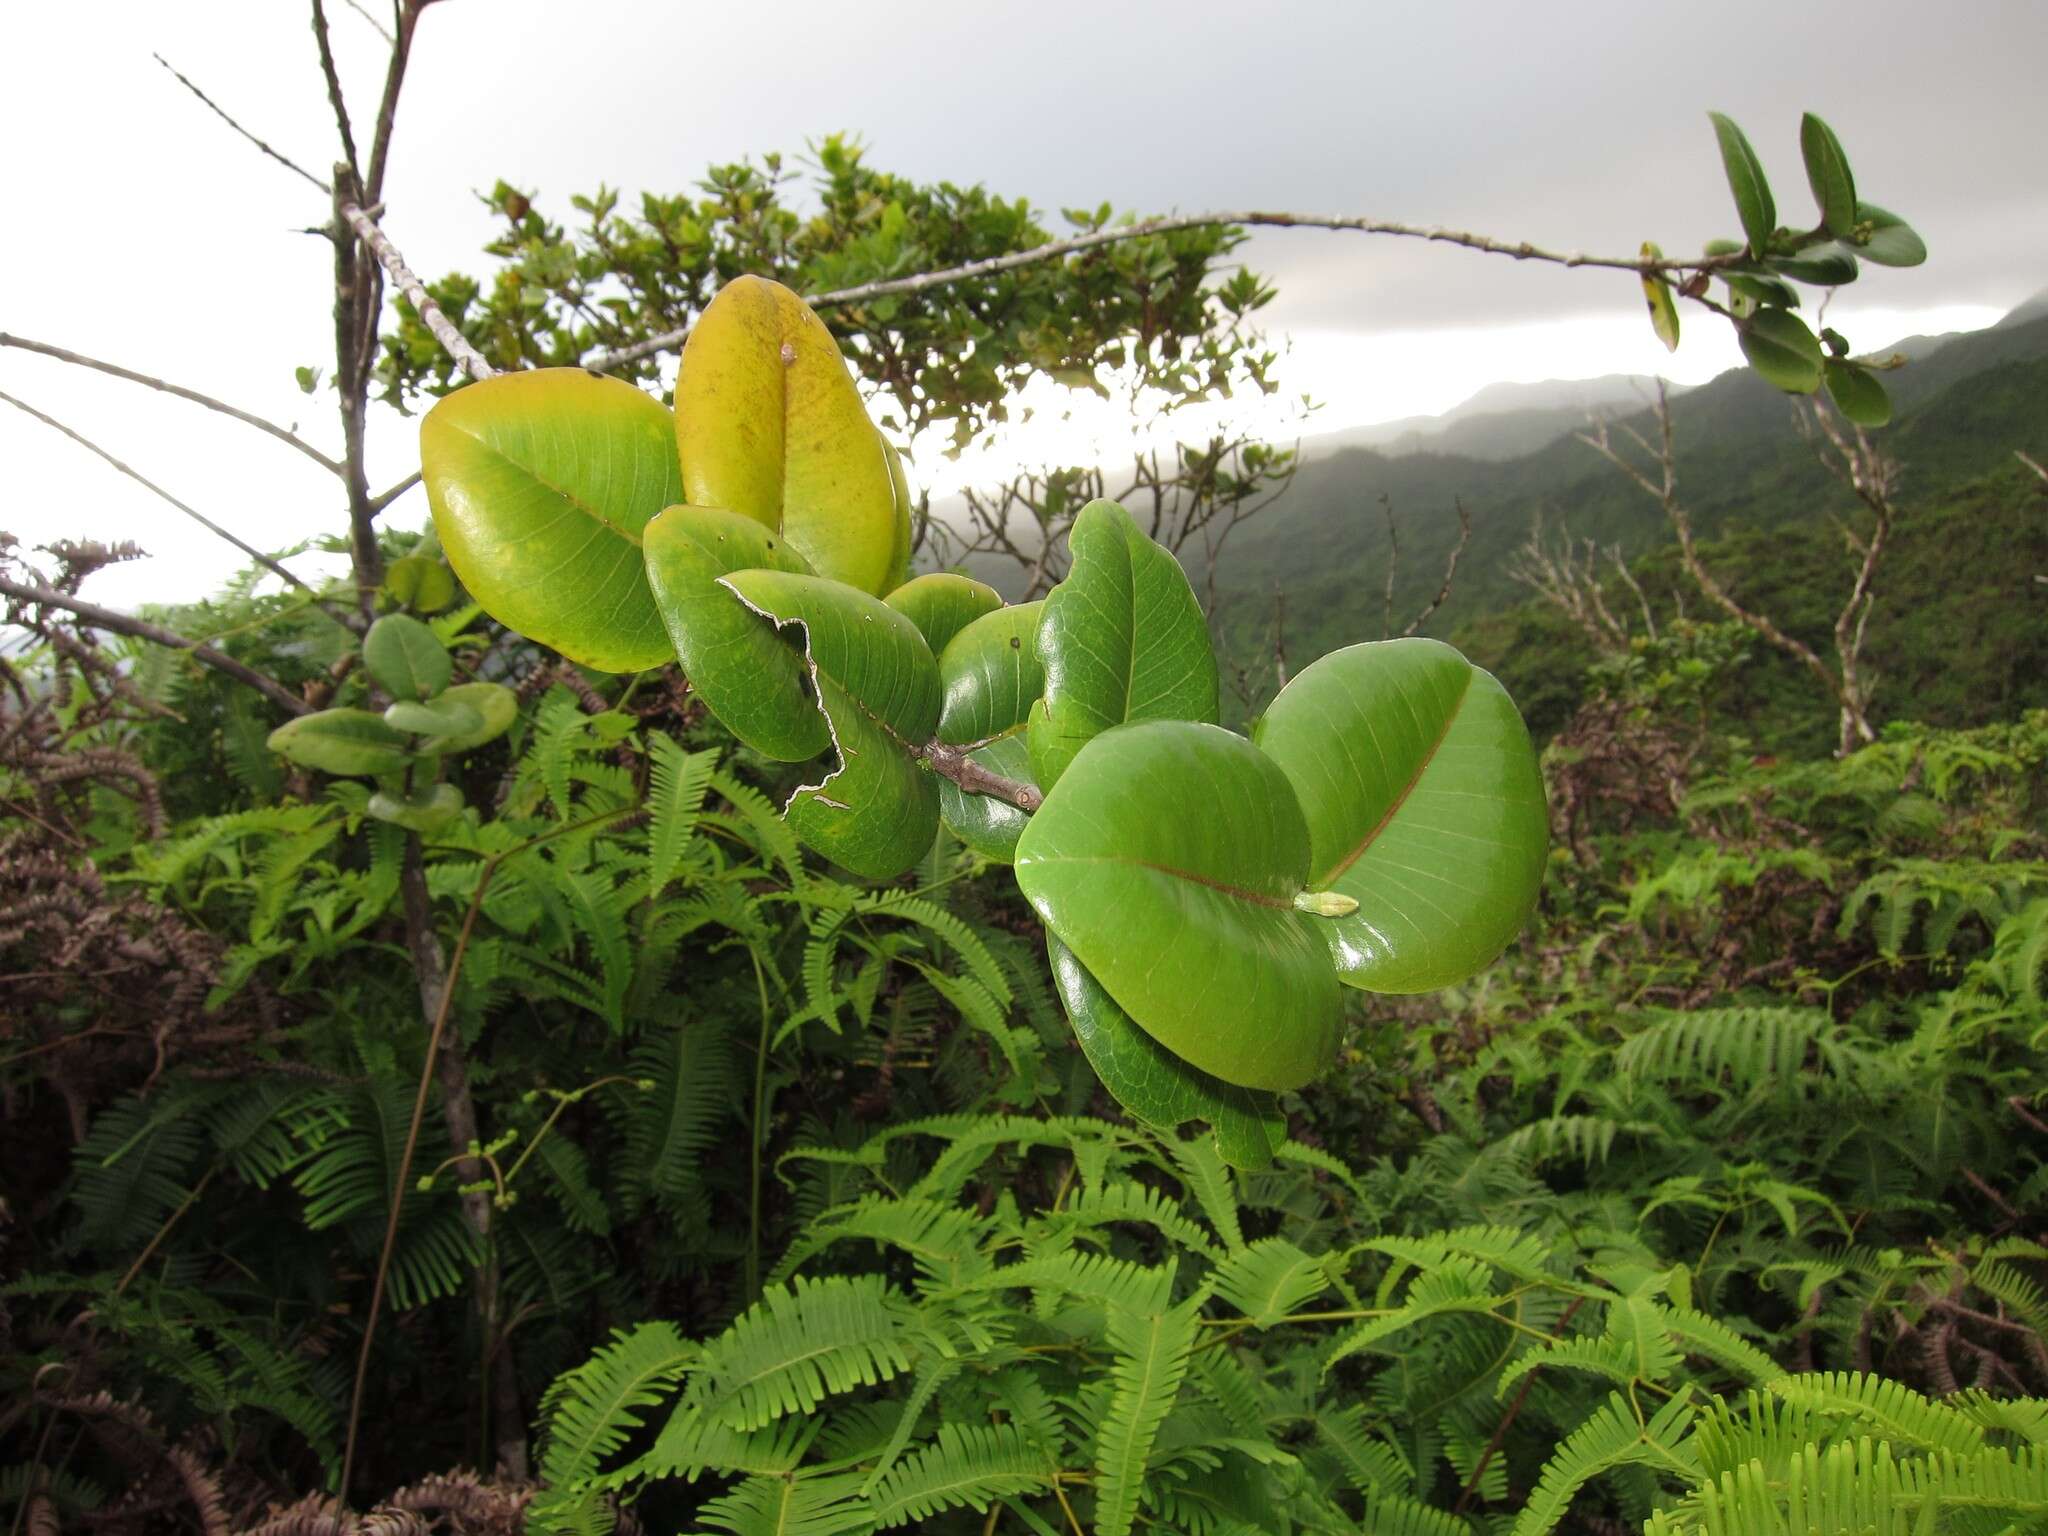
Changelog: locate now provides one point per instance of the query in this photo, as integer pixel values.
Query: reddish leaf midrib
(1337, 870)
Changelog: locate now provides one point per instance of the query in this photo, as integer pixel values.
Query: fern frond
(1889, 1408)
(802, 1343)
(1269, 1279)
(1205, 1177)
(969, 1464)
(1114, 1282)
(1151, 1358)
(1611, 1437)
(943, 1239)
(594, 1408)
(826, 1504)
(677, 782)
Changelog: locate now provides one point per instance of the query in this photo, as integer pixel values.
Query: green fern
(1151, 1358)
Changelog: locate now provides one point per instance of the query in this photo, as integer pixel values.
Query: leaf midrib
(1273, 902)
(548, 485)
(1337, 870)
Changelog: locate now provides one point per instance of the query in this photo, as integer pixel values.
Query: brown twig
(1145, 228)
(282, 434)
(954, 763)
(142, 629)
(1450, 570)
(333, 78)
(282, 159)
(150, 485)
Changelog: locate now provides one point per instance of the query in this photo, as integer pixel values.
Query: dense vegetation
(705, 1186)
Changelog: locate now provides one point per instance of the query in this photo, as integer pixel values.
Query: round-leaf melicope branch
(1251, 218)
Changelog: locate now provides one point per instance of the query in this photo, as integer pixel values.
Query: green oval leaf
(746, 674)
(1753, 204)
(1827, 172)
(942, 604)
(406, 658)
(495, 707)
(1857, 393)
(1663, 304)
(1761, 290)
(434, 717)
(540, 484)
(1781, 348)
(899, 484)
(1154, 1085)
(770, 424)
(428, 811)
(1168, 858)
(991, 676)
(1122, 639)
(351, 742)
(1423, 802)
(1887, 239)
(876, 810)
(420, 583)
(1829, 264)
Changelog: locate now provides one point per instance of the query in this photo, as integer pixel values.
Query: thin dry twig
(282, 434)
(364, 11)
(148, 484)
(142, 629)
(1144, 228)
(279, 156)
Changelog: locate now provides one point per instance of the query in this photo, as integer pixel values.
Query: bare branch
(444, 330)
(332, 466)
(1450, 569)
(387, 106)
(150, 485)
(954, 763)
(363, 11)
(281, 158)
(334, 96)
(1143, 229)
(2033, 464)
(142, 629)
(1393, 565)
(384, 499)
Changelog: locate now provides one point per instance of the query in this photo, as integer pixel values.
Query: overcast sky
(142, 230)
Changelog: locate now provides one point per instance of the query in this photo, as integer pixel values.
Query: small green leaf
(942, 604)
(746, 674)
(991, 677)
(1828, 264)
(406, 658)
(420, 583)
(428, 811)
(1753, 204)
(1423, 802)
(1152, 1083)
(875, 810)
(1663, 304)
(1122, 639)
(1781, 349)
(1827, 172)
(351, 742)
(1761, 290)
(1857, 394)
(1887, 239)
(495, 707)
(540, 484)
(435, 717)
(1168, 858)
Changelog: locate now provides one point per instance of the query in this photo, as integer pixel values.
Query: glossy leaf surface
(1423, 802)
(876, 810)
(1857, 393)
(747, 675)
(899, 484)
(1781, 348)
(770, 425)
(350, 742)
(496, 707)
(406, 658)
(1830, 263)
(1168, 859)
(991, 677)
(1122, 639)
(1892, 241)
(441, 717)
(1827, 173)
(427, 811)
(540, 485)
(1152, 1083)
(1753, 204)
(942, 604)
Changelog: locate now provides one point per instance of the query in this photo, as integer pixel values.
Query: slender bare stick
(384, 499)
(144, 481)
(333, 77)
(363, 11)
(1450, 569)
(283, 435)
(282, 159)
(444, 330)
(1253, 218)
(953, 763)
(142, 629)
